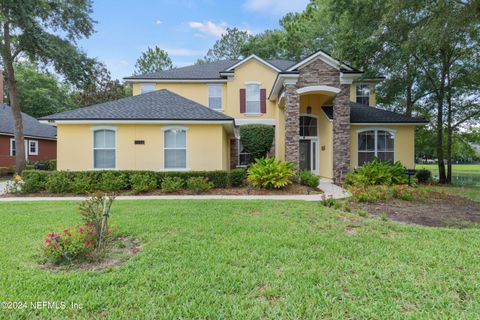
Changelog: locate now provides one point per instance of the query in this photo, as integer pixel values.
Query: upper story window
(147, 87)
(175, 148)
(215, 96)
(104, 149)
(363, 94)
(253, 98)
(376, 144)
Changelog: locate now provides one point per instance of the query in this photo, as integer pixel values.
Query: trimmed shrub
(199, 184)
(219, 178)
(236, 177)
(377, 172)
(423, 175)
(34, 180)
(59, 182)
(113, 181)
(143, 181)
(308, 179)
(82, 183)
(257, 139)
(270, 173)
(172, 184)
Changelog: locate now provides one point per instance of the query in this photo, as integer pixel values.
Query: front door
(305, 155)
(309, 155)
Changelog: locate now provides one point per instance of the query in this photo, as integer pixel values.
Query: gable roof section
(31, 126)
(206, 71)
(155, 105)
(365, 114)
(253, 57)
(328, 59)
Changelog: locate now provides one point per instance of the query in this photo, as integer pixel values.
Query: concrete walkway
(331, 189)
(326, 185)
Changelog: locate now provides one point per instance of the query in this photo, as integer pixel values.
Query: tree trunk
(408, 102)
(449, 130)
(408, 93)
(440, 97)
(20, 157)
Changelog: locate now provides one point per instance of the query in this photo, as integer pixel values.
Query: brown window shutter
(263, 100)
(243, 107)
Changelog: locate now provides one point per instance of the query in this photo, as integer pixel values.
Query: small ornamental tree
(257, 139)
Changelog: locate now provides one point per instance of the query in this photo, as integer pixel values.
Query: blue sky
(185, 28)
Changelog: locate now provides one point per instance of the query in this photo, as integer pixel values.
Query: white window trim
(36, 148)
(97, 128)
(164, 129)
(221, 95)
(12, 140)
(392, 131)
(26, 145)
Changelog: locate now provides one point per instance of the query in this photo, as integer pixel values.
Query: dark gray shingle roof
(31, 126)
(364, 114)
(155, 105)
(206, 71)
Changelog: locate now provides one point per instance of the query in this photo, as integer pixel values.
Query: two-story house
(187, 118)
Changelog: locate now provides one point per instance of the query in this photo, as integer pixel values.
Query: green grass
(216, 260)
(473, 169)
(467, 192)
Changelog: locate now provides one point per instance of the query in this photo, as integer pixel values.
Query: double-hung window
(13, 147)
(147, 87)
(363, 93)
(252, 98)
(376, 143)
(215, 96)
(175, 148)
(33, 147)
(104, 149)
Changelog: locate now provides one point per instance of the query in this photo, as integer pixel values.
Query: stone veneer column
(292, 124)
(341, 134)
(233, 153)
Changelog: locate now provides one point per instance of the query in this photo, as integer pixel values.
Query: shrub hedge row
(90, 181)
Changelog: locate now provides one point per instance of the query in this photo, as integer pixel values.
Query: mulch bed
(436, 210)
(293, 189)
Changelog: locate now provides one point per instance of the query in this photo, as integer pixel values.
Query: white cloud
(276, 7)
(209, 27)
(158, 22)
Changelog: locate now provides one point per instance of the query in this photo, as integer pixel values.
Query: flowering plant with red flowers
(74, 243)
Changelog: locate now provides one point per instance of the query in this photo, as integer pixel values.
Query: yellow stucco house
(187, 118)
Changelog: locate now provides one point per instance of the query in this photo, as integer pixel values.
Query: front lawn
(245, 259)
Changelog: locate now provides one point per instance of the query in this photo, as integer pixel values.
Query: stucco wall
(205, 147)
(249, 71)
(404, 144)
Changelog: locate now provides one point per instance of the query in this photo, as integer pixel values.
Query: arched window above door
(308, 126)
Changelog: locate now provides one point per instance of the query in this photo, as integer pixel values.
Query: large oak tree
(43, 31)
